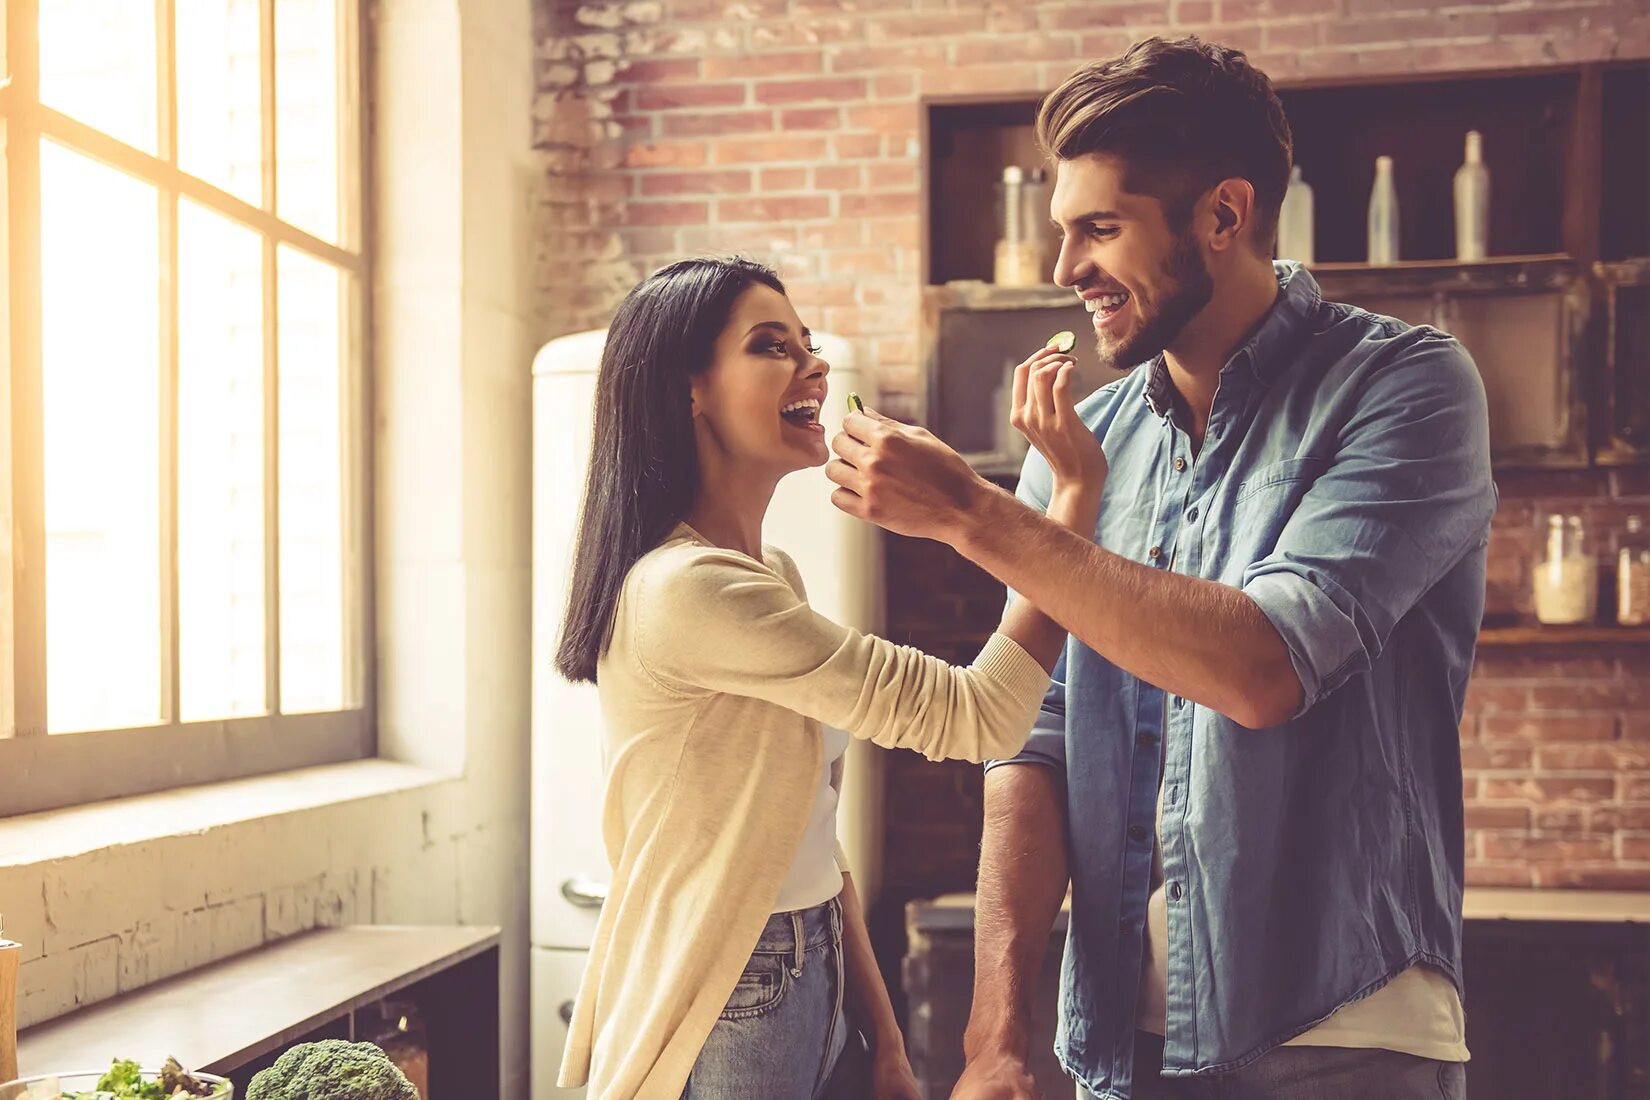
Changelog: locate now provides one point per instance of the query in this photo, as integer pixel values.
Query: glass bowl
(73, 1084)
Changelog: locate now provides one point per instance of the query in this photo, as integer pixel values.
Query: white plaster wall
(454, 341)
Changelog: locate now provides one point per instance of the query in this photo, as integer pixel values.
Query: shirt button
(1179, 702)
(1137, 832)
(1155, 552)
(1179, 465)
(1191, 517)
(1174, 891)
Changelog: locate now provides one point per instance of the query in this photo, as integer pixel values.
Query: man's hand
(902, 478)
(996, 1077)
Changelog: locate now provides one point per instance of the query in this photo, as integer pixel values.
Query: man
(1248, 768)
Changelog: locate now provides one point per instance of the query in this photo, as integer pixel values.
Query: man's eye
(1104, 232)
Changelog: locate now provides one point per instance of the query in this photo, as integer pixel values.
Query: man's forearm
(1023, 876)
(1195, 638)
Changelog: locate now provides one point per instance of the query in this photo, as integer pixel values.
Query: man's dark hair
(1181, 116)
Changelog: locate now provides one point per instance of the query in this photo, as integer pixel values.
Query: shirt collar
(1268, 348)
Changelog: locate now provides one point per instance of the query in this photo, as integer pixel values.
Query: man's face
(1142, 281)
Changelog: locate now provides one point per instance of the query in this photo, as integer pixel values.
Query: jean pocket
(761, 987)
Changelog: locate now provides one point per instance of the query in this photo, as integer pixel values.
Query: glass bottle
(1295, 220)
(1566, 578)
(1472, 203)
(1633, 575)
(1383, 215)
(1019, 256)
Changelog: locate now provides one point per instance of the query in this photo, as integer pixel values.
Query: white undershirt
(815, 876)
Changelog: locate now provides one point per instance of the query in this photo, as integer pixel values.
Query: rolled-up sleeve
(1407, 495)
(1047, 744)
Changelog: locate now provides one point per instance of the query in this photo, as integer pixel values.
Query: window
(183, 532)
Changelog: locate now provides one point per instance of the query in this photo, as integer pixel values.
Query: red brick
(759, 150)
(1498, 846)
(1245, 11)
(1562, 21)
(1194, 11)
(1498, 817)
(926, 55)
(1023, 48)
(868, 262)
(1476, 756)
(818, 295)
(897, 349)
(870, 206)
(1015, 79)
(1582, 695)
(666, 213)
(932, 26)
(784, 179)
(807, 32)
(751, 66)
(1560, 821)
(1593, 877)
(716, 123)
(857, 146)
(757, 239)
(838, 234)
(1484, 694)
(895, 233)
(893, 177)
(811, 118)
(1292, 36)
(711, 11)
(666, 154)
(838, 177)
(668, 97)
(695, 183)
(1548, 789)
(884, 119)
(810, 91)
(659, 71)
(894, 86)
(1635, 848)
(1501, 874)
(1548, 727)
(1635, 789)
(796, 208)
(1134, 13)
(1612, 757)
(1636, 726)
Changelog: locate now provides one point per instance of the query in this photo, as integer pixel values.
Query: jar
(1633, 575)
(1566, 578)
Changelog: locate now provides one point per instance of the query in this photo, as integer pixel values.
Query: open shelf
(1533, 634)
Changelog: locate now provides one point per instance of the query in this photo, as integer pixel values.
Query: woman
(731, 953)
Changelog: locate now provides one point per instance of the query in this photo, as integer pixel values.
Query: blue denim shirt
(1344, 486)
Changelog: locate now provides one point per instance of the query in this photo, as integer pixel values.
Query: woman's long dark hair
(644, 466)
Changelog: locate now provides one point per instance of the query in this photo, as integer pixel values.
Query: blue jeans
(783, 1029)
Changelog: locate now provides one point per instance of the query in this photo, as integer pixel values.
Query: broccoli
(332, 1069)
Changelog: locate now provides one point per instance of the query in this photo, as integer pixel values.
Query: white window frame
(47, 771)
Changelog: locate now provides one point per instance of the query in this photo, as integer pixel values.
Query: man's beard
(1189, 290)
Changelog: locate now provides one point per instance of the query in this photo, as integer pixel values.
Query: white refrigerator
(841, 563)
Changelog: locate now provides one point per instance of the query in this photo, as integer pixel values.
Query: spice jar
(1633, 575)
(1566, 578)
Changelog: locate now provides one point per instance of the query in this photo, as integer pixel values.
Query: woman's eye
(812, 350)
(779, 347)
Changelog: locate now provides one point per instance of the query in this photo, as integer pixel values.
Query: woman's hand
(891, 1076)
(1045, 413)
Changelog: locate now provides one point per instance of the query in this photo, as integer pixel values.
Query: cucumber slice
(1062, 342)
(855, 404)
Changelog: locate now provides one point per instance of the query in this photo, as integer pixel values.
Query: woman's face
(758, 403)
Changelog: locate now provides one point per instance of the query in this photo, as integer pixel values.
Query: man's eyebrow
(1091, 216)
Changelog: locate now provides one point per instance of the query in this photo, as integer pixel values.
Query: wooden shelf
(1533, 635)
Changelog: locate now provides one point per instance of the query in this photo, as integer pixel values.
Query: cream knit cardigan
(713, 687)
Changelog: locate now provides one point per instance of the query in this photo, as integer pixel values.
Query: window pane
(220, 116)
(97, 63)
(311, 527)
(101, 365)
(308, 127)
(220, 468)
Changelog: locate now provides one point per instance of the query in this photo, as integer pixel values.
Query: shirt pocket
(1260, 508)
(760, 990)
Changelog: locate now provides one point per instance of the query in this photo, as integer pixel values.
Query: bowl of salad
(122, 1081)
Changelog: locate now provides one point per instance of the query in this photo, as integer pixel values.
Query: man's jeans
(1302, 1073)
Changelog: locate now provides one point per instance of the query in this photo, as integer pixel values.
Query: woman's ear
(695, 407)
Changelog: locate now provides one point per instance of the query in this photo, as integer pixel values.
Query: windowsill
(75, 831)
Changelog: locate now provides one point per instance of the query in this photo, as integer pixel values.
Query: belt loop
(796, 930)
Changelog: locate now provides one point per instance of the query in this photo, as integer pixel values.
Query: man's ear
(1234, 201)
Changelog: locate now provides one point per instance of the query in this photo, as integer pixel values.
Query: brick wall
(789, 130)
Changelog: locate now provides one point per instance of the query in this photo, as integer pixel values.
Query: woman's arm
(868, 1006)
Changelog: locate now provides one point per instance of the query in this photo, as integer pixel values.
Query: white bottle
(1472, 203)
(1383, 215)
(1295, 220)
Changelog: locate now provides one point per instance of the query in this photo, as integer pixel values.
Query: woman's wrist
(1075, 505)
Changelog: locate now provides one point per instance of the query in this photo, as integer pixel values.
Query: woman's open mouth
(803, 414)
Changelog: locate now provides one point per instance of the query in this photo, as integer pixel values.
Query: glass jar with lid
(1566, 576)
(1633, 575)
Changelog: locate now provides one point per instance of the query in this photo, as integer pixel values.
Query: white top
(816, 873)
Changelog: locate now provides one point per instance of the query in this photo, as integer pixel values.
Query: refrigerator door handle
(566, 1013)
(584, 893)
